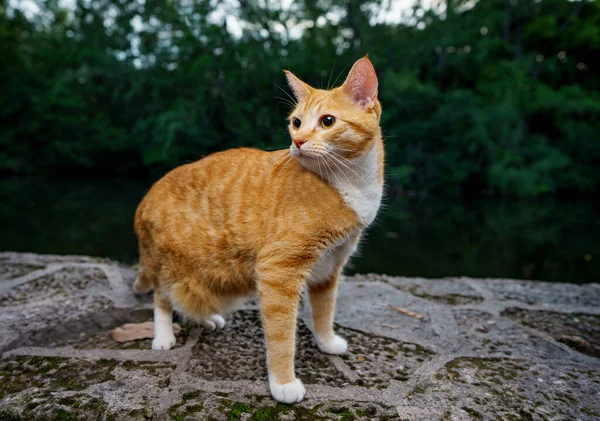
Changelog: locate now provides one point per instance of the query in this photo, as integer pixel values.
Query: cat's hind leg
(213, 322)
(143, 283)
(164, 338)
(147, 275)
(227, 305)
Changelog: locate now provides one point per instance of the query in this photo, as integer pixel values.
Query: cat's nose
(299, 142)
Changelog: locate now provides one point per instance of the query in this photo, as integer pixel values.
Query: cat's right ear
(301, 89)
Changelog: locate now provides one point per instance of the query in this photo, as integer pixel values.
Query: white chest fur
(338, 253)
(359, 186)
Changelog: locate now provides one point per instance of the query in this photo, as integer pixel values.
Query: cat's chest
(331, 258)
(359, 183)
(363, 199)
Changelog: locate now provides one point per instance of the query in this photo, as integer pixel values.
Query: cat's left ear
(301, 89)
(361, 83)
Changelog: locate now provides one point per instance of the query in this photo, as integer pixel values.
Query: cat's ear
(361, 83)
(301, 89)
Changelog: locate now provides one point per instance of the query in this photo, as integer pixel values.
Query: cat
(216, 231)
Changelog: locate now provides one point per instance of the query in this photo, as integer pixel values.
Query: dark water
(545, 240)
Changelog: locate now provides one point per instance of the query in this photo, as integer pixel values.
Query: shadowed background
(491, 119)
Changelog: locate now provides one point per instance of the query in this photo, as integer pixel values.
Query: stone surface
(483, 350)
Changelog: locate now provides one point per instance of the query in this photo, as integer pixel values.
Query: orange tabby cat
(213, 232)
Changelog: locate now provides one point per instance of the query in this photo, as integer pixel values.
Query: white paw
(213, 322)
(335, 346)
(164, 341)
(287, 393)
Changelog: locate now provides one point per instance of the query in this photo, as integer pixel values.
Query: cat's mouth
(308, 155)
(305, 154)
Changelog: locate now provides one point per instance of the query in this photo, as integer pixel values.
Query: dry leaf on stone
(135, 331)
(407, 312)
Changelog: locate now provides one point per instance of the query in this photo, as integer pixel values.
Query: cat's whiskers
(343, 70)
(346, 159)
(319, 165)
(342, 163)
(331, 74)
(332, 171)
(282, 151)
(286, 101)
(341, 171)
(294, 101)
(288, 161)
(282, 159)
(280, 164)
(276, 149)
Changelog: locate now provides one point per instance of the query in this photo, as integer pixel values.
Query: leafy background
(494, 96)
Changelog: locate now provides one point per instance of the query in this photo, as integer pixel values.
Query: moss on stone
(418, 390)
(493, 370)
(182, 410)
(343, 412)
(9, 415)
(58, 373)
(178, 413)
(589, 412)
(473, 412)
(369, 412)
(237, 409)
(69, 401)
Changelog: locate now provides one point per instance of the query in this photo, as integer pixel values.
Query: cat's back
(192, 184)
(240, 196)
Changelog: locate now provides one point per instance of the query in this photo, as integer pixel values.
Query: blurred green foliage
(543, 239)
(489, 95)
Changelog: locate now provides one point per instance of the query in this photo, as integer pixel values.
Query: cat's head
(341, 122)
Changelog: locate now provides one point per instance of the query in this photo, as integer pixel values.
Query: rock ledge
(485, 349)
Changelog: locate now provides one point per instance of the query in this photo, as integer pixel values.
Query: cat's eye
(327, 121)
(296, 123)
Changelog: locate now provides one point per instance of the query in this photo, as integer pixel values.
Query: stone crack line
(173, 356)
(429, 345)
(31, 276)
(491, 304)
(343, 368)
(186, 351)
(485, 293)
(575, 355)
(495, 307)
(178, 379)
(444, 325)
(121, 294)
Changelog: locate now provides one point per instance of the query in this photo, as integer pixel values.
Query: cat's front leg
(323, 296)
(280, 289)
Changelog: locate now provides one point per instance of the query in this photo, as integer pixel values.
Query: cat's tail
(143, 284)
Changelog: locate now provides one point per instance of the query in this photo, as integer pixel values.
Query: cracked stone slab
(17, 322)
(485, 333)
(578, 331)
(57, 386)
(238, 351)
(16, 270)
(450, 291)
(545, 293)
(473, 388)
(195, 405)
(62, 284)
(367, 307)
(483, 350)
